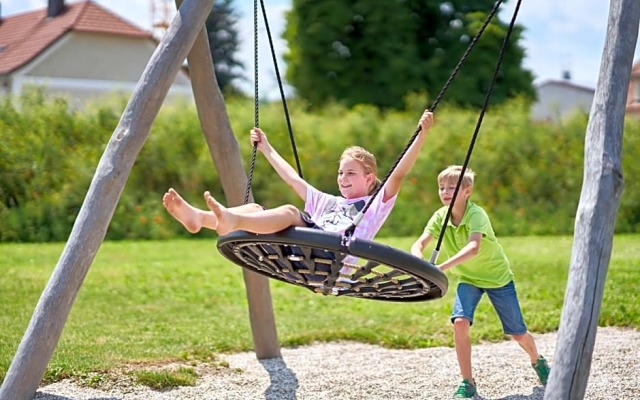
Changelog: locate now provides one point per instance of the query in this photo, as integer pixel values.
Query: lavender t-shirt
(336, 214)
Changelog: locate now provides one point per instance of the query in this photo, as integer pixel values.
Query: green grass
(167, 379)
(155, 302)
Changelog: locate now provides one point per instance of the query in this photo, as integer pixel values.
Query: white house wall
(559, 101)
(87, 65)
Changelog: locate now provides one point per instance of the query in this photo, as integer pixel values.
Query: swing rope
(349, 231)
(256, 101)
(256, 95)
(327, 263)
(281, 88)
(485, 105)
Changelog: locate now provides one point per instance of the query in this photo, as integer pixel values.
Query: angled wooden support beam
(224, 149)
(51, 313)
(597, 209)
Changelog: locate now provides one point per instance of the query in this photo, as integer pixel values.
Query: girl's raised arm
(279, 164)
(392, 186)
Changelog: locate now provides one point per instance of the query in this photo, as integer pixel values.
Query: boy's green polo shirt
(490, 267)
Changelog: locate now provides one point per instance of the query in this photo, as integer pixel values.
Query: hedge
(529, 174)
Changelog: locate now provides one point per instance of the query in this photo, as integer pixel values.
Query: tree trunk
(51, 313)
(598, 207)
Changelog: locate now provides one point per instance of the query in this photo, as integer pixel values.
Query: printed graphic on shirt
(338, 216)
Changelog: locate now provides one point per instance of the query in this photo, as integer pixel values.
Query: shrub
(529, 174)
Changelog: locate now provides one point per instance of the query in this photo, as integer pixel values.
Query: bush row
(529, 174)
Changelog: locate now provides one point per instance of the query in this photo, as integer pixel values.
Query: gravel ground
(359, 371)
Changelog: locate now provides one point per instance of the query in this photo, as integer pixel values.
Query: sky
(559, 35)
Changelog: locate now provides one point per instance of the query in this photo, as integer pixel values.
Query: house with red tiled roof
(80, 50)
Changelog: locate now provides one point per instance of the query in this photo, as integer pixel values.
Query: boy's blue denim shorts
(504, 300)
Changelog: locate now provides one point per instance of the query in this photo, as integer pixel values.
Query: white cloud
(267, 78)
(568, 34)
(136, 11)
(585, 13)
(15, 6)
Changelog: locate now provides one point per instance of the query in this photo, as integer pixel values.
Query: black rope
(256, 99)
(280, 86)
(445, 87)
(485, 105)
(464, 57)
(257, 95)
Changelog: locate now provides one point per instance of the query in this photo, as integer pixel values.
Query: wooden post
(596, 214)
(225, 153)
(51, 313)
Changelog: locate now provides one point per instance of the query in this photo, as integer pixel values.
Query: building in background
(558, 99)
(79, 50)
(633, 94)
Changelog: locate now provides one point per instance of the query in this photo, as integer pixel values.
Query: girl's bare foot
(227, 220)
(182, 211)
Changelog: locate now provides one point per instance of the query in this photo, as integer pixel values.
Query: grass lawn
(180, 299)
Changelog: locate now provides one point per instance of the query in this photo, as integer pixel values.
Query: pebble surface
(346, 370)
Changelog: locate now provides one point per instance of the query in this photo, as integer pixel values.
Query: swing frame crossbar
(321, 262)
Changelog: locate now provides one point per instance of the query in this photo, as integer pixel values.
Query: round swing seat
(322, 263)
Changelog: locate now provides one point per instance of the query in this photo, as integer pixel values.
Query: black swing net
(344, 265)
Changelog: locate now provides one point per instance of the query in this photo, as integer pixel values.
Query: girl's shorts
(307, 220)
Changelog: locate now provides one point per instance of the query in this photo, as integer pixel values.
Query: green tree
(337, 51)
(224, 44)
(448, 28)
(378, 51)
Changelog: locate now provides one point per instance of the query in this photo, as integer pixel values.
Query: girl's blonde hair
(452, 174)
(368, 162)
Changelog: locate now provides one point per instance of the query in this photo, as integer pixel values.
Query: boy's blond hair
(451, 174)
(368, 162)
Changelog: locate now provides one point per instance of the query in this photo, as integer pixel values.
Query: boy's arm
(418, 246)
(466, 253)
(279, 164)
(392, 186)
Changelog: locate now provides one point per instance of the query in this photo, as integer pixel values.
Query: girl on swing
(357, 181)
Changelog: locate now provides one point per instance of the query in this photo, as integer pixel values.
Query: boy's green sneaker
(465, 391)
(542, 370)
